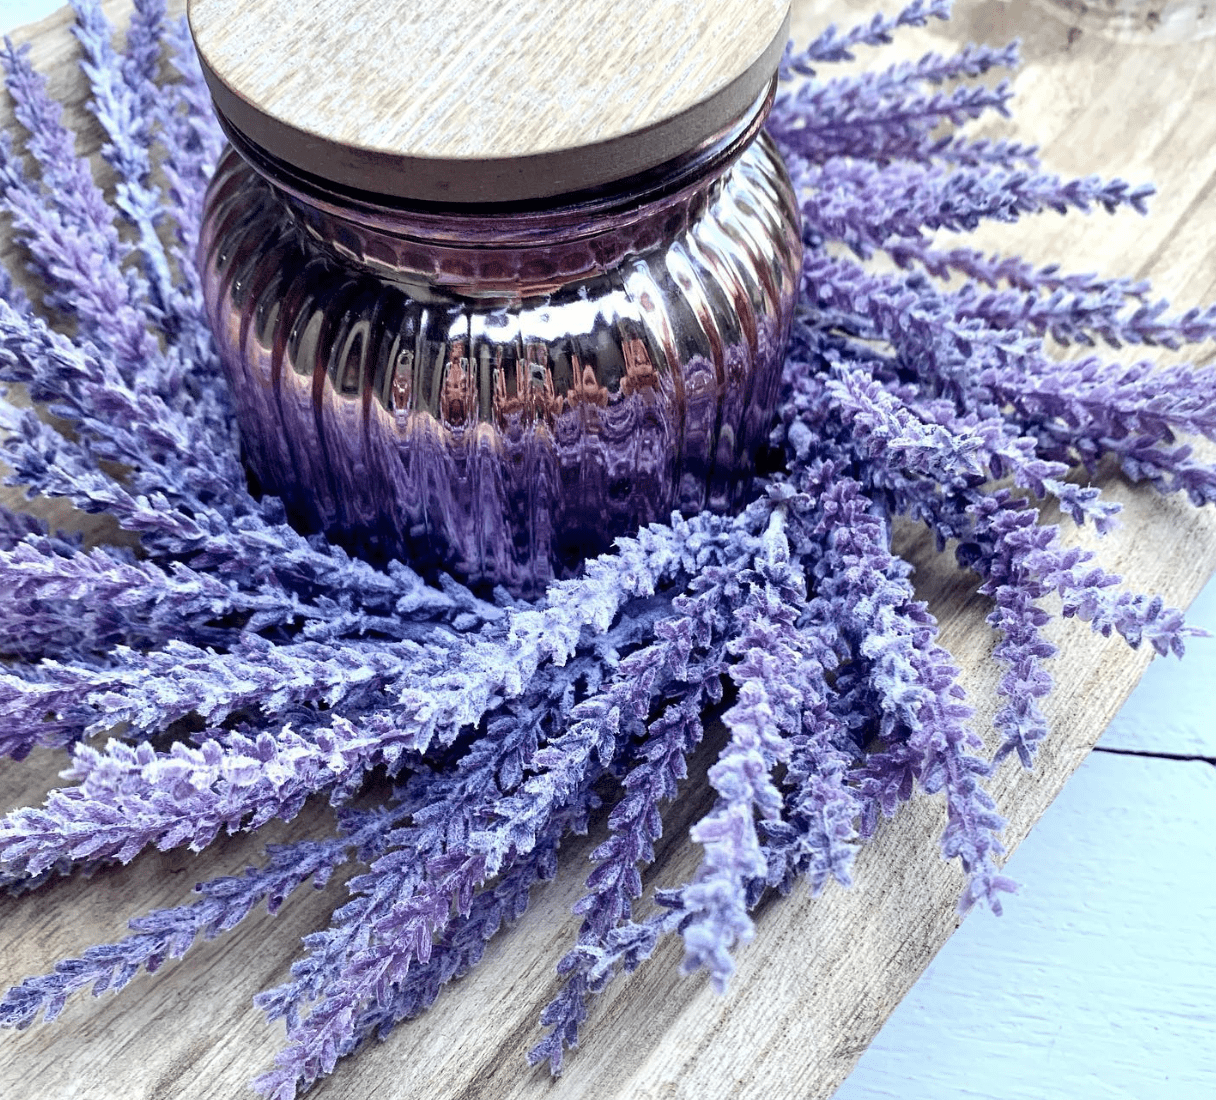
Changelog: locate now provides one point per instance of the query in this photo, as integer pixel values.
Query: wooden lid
(485, 100)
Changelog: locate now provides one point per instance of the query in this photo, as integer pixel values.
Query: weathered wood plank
(822, 975)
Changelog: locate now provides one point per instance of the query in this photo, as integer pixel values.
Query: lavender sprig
(766, 714)
(170, 933)
(686, 660)
(832, 46)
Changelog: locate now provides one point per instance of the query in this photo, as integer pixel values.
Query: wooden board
(823, 974)
(475, 101)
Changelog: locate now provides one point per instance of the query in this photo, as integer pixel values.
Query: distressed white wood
(1098, 983)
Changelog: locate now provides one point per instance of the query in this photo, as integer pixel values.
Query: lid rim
(517, 178)
(617, 199)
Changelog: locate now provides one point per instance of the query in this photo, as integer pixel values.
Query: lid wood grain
(485, 100)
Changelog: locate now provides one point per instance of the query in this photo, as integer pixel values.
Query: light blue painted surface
(1099, 983)
(13, 13)
(1173, 708)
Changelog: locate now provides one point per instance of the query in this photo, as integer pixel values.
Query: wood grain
(822, 974)
(485, 100)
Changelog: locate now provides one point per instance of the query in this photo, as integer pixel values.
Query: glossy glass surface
(1162, 22)
(501, 395)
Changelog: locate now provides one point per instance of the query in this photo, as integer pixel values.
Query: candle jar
(499, 389)
(1158, 22)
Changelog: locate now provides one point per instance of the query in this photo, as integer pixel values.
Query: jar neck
(476, 248)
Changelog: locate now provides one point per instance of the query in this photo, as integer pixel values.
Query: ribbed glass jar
(501, 391)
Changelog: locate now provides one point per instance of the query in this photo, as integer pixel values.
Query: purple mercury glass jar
(501, 389)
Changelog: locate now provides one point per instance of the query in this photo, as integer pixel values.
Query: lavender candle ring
(499, 389)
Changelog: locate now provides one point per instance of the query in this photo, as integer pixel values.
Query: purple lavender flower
(170, 933)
